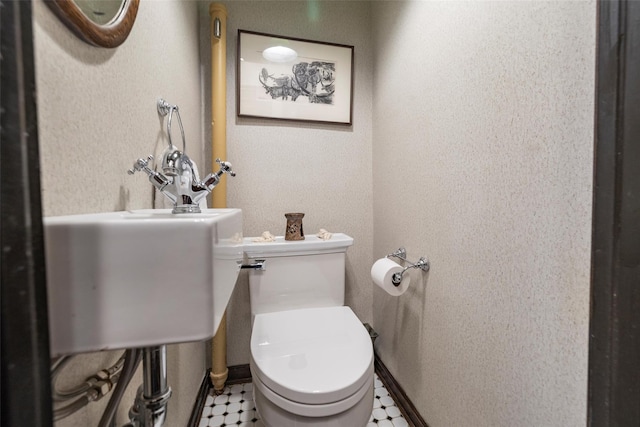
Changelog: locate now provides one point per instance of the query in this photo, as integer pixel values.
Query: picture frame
(288, 78)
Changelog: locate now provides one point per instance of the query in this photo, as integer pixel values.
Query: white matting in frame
(314, 85)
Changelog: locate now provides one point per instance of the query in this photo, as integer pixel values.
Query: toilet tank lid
(311, 245)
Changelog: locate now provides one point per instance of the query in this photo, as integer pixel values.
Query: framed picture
(293, 79)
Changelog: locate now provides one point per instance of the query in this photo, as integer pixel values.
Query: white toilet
(311, 358)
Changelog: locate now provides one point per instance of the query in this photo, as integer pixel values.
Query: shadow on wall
(399, 320)
(403, 325)
(349, 281)
(296, 124)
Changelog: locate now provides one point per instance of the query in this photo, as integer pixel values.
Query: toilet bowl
(312, 367)
(311, 357)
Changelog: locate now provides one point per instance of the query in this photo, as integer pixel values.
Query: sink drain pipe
(218, 14)
(150, 406)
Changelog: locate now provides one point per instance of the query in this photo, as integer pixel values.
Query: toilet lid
(313, 355)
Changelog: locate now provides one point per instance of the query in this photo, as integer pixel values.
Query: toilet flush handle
(259, 264)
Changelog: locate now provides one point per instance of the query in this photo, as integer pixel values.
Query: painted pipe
(218, 14)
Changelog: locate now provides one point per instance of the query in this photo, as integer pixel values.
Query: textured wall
(322, 170)
(483, 127)
(96, 115)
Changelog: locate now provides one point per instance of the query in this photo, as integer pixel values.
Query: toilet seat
(314, 411)
(313, 356)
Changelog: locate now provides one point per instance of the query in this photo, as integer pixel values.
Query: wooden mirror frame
(110, 35)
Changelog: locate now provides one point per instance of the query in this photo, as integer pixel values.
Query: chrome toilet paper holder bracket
(401, 253)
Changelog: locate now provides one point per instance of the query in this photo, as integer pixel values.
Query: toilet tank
(297, 274)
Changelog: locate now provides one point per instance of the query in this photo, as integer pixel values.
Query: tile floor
(235, 407)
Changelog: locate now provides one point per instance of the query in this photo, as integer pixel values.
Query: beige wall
(96, 115)
(483, 147)
(321, 170)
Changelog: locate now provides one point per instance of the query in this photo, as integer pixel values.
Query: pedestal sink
(139, 278)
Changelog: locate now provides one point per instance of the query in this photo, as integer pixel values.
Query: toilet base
(273, 415)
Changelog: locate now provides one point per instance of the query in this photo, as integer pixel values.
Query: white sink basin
(139, 278)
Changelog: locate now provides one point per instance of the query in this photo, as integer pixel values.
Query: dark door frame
(25, 391)
(614, 348)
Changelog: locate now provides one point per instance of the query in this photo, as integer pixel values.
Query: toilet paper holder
(401, 253)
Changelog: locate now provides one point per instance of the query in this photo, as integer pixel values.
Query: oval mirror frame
(110, 35)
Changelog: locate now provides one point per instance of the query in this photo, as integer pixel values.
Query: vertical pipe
(218, 14)
(155, 390)
(154, 361)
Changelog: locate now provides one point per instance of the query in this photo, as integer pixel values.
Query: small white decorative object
(265, 237)
(324, 234)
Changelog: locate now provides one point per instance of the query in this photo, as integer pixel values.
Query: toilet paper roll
(382, 273)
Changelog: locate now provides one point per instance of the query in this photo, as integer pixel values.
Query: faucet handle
(225, 167)
(140, 164)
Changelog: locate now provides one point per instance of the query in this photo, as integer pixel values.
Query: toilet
(311, 357)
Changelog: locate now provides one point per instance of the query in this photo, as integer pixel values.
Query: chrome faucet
(179, 180)
(180, 183)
